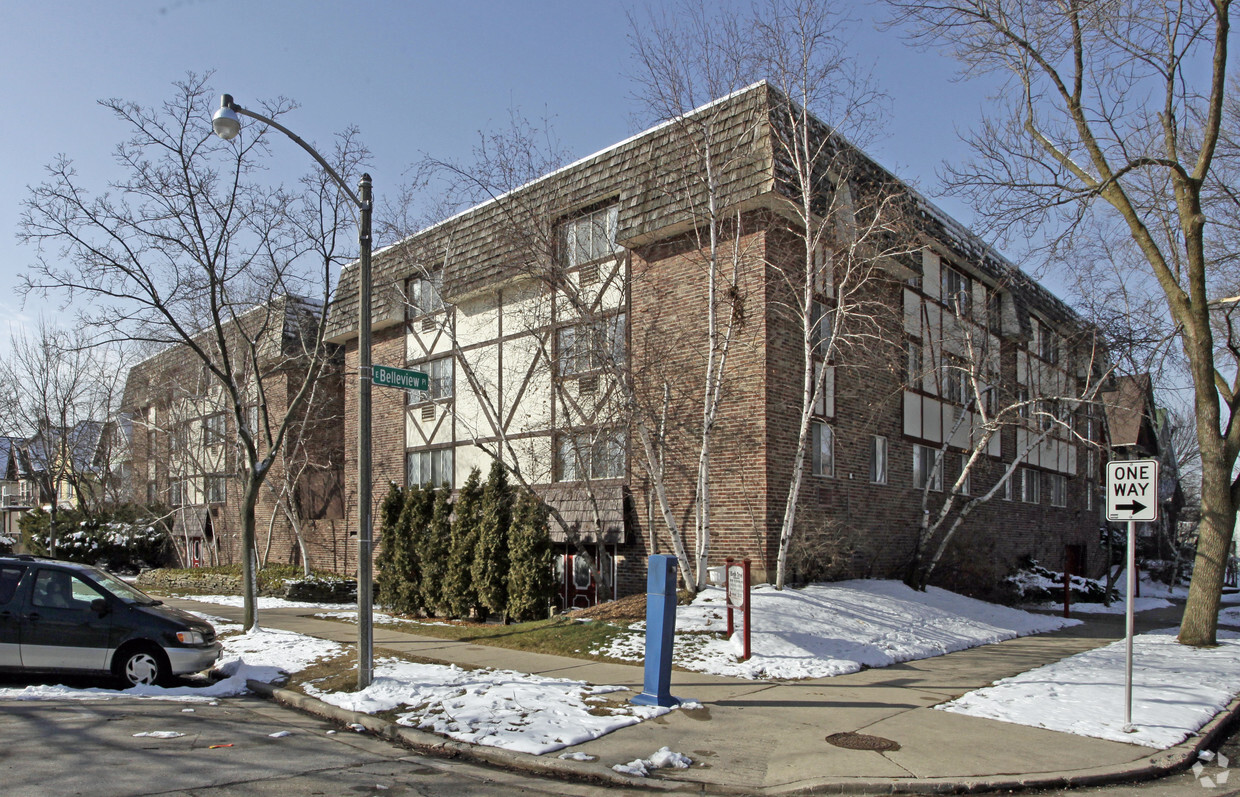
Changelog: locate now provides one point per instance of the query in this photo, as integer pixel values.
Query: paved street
(75, 747)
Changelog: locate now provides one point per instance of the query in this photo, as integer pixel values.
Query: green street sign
(386, 376)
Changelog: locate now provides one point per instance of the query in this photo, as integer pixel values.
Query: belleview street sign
(1132, 490)
(386, 376)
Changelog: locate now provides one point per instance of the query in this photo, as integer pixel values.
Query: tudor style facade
(184, 456)
(550, 317)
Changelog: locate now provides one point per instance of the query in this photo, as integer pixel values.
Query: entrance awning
(594, 514)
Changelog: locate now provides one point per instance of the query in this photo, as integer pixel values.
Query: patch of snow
(236, 602)
(1176, 690)
(497, 708)
(663, 758)
(1116, 607)
(833, 629)
(578, 756)
(160, 734)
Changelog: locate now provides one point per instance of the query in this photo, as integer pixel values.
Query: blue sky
(413, 76)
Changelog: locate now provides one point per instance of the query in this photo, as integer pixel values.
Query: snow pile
(662, 759)
(1117, 607)
(833, 629)
(497, 708)
(1176, 689)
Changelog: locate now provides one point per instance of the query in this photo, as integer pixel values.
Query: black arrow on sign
(1133, 508)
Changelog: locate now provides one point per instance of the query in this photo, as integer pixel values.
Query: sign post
(738, 599)
(1132, 496)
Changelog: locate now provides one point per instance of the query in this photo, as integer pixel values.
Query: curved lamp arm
(227, 126)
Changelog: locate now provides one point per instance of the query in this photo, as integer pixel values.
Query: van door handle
(32, 617)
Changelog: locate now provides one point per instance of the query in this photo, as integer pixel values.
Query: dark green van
(65, 617)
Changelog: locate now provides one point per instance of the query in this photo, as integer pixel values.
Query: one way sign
(1132, 490)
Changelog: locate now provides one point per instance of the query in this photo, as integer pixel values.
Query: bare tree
(187, 248)
(57, 388)
(1116, 111)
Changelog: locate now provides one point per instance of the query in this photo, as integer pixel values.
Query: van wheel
(142, 665)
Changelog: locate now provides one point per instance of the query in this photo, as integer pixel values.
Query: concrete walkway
(771, 737)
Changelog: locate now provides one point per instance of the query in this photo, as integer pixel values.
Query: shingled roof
(645, 176)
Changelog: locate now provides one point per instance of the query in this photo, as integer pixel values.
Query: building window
(213, 430)
(150, 443)
(955, 381)
(822, 329)
(439, 382)
(924, 470)
(1048, 342)
(150, 492)
(824, 270)
(1057, 486)
(823, 443)
(1007, 487)
(180, 437)
(914, 365)
(967, 481)
(1089, 497)
(424, 295)
(176, 493)
(1023, 408)
(432, 467)
(955, 290)
(214, 488)
(994, 310)
(878, 460)
(590, 236)
(587, 347)
(1029, 484)
(590, 455)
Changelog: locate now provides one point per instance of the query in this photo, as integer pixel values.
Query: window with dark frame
(822, 447)
(433, 467)
(424, 295)
(215, 488)
(878, 460)
(956, 289)
(924, 459)
(213, 430)
(589, 455)
(589, 236)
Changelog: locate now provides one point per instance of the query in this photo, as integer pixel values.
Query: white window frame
(593, 455)
(213, 430)
(590, 236)
(425, 295)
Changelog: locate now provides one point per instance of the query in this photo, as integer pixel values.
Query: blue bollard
(660, 632)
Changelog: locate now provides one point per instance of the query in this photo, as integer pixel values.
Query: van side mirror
(99, 606)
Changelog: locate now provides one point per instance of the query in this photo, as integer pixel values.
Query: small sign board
(1132, 490)
(386, 376)
(736, 585)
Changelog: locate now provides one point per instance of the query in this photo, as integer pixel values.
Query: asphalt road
(77, 747)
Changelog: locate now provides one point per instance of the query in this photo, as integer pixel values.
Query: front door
(578, 587)
(10, 650)
(59, 629)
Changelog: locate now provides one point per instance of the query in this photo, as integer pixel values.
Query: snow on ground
(1176, 690)
(832, 629)
(264, 655)
(236, 601)
(497, 708)
(662, 758)
(1116, 607)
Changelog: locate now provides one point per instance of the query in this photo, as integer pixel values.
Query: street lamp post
(227, 126)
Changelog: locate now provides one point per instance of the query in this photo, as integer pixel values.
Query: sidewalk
(771, 737)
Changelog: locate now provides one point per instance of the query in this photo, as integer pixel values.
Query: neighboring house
(184, 454)
(59, 465)
(15, 495)
(514, 364)
(1137, 428)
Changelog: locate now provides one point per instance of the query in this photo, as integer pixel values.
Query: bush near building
(124, 539)
(473, 557)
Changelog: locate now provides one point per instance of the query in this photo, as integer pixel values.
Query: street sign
(386, 376)
(1132, 490)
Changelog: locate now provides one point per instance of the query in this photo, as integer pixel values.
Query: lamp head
(226, 123)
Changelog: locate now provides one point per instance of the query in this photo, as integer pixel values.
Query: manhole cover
(861, 741)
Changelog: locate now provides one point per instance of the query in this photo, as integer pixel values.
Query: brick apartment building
(516, 308)
(183, 454)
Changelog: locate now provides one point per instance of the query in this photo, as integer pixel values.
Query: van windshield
(123, 590)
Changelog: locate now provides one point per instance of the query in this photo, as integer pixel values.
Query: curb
(434, 745)
(1156, 765)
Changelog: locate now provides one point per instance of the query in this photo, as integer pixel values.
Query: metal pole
(1132, 591)
(365, 582)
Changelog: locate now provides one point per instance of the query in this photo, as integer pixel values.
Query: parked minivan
(58, 616)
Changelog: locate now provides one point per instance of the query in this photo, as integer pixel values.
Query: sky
(415, 77)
